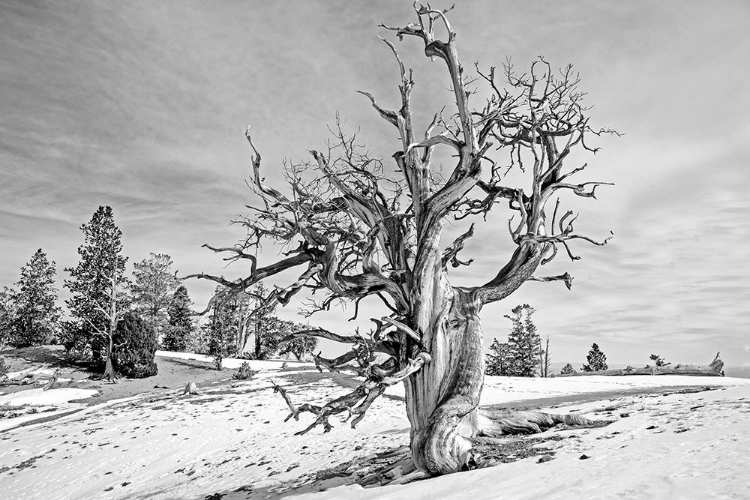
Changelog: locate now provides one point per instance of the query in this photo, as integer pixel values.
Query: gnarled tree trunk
(442, 398)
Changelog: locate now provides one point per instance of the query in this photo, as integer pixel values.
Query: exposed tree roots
(498, 431)
(397, 467)
(109, 371)
(495, 423)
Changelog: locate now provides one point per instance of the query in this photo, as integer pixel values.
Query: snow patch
(40, 397)
(233, 440)
(234, 363)
(503, 389)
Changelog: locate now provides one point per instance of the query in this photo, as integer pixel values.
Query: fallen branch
(294, 412)
(714, 369)
(357, 402)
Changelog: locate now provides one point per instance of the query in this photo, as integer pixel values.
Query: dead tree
(356, 232)
(113, 315)
(544, 359)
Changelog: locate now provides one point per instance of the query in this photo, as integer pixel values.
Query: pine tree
(567, 370)
(7, 315)
(152, 289)
(135, 350)
(91, 283)
(36, 313)
(498, 361)
(105, 337)
(225, 324)
(199, 340)
(251, 324)
(239, 324)
(261, 331)
(269, 330)
(523, 343)
(596, 359)
(299, 346)
(181, 327)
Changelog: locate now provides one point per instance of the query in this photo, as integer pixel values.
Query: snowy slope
(691, 446)
(234, 438)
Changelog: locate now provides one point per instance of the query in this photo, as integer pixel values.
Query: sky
(143, 105)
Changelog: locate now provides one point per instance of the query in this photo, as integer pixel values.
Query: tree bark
(442, 399)
(109, 369)
(257, 337)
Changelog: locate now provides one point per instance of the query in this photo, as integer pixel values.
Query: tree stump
(191, 389)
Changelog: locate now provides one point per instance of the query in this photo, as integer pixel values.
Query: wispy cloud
(142, 105)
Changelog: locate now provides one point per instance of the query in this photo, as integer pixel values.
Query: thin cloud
(144, 109)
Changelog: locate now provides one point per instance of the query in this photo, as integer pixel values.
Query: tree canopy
(36, 314)
(152, 289)
(181, 325)
(91, 282)
(596, 359)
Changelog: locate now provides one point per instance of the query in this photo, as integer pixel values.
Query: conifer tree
(225, 322)
(498, 361)
(36, 314)
(262, 330)
(91, 283)
(152, 289)
(596, 359)
(567, 370)
(7, 315)
(523, 343)
(136, 347)
(299, 346)
(199, 340)
(270, 330)
(181, 326)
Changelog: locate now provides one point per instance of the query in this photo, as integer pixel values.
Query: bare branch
(356, 402)
(293, 411)
(567, 278)
(239, 253)
(434, 141)
(389, 116)
(451, 253)
(256, 159)
(404, 328)
(322, 333)
(413, 366)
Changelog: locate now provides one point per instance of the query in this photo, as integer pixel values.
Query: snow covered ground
(232, 439)
(234, 363)
(682, 446)
(504, 389)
